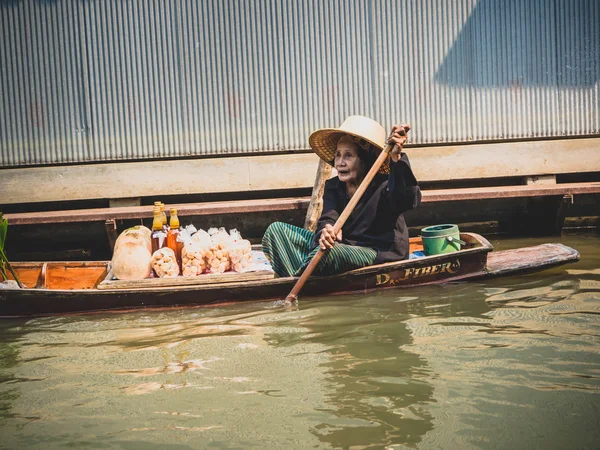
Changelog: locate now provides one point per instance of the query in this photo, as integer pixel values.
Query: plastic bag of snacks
(193, 261)
(217, 257)
(240, 252)
(202, 238)
(164, 263)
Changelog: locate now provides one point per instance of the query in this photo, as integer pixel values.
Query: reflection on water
(506, 363)
(379, 390)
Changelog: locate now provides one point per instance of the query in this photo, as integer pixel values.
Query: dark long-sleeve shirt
(377, 220)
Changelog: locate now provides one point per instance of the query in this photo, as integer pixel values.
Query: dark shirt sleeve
(330, 213)
(403, 192)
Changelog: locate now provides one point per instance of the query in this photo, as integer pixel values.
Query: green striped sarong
(290, 249)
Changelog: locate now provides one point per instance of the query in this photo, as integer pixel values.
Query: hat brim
(324, 143)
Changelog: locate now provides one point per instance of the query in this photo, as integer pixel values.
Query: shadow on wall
(514, 43)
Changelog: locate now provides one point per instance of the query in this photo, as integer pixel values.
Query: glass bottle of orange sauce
(158, 236)
(163, 217)
(174, 229)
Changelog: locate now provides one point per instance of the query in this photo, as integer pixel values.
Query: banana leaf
(3, 259)
(3, 230)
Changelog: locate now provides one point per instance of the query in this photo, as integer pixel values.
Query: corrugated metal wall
(102, 80)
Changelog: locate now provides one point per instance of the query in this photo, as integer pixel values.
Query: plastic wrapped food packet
(192, 260)
(164, 263)
(240, 252)
(235, 235)
(193, 254)
(217, 258)
(202, 237)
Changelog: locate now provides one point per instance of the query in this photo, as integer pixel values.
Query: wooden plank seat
(299, 203)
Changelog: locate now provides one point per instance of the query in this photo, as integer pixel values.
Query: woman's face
(349, 166)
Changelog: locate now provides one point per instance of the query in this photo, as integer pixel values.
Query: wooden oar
(293, 295)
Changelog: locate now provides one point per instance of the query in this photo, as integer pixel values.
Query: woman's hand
(398, 138)
(328, 238)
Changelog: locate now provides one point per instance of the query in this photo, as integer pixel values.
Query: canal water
(508, 363)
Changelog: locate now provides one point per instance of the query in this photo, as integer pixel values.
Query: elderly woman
(376, 231)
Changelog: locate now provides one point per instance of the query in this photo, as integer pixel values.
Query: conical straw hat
(367, 133)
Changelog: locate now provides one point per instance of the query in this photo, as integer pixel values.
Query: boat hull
(473, 263)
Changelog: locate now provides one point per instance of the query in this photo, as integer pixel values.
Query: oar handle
(293, 295)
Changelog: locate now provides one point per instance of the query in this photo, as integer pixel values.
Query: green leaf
(4, 259)
(3, 230)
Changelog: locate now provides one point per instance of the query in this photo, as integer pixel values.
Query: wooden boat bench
(564, 192)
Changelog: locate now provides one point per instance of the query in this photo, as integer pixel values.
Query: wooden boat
(76, 287)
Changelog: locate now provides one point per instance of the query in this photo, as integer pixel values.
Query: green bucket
(439, 239)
